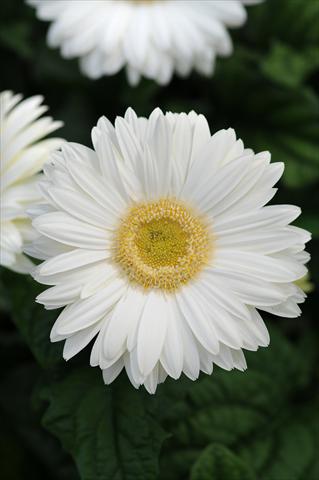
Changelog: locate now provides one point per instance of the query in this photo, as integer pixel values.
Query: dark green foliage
(253, 414)
(259, 424)
(31, 319)
(290, 67)
(109, 431)
(59, 421)
(219, 462)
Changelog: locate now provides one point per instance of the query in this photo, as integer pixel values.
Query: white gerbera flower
(21, 158)
(153, 38)
(158, 243)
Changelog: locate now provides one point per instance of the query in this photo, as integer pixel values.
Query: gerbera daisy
(152, 38)
(22, 154)
(158, 244)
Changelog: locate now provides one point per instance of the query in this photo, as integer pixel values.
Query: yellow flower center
(162, 244)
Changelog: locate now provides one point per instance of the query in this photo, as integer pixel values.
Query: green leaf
(228, 406)
(288, 66)
(234, 408)
(219, 463)
(25, 445)
(288, 450)
(288, 366)
(309, 221)
(4, 301)
(16, 37)
(294, 22)
(108, 430)
(224, 408)
(32, 320)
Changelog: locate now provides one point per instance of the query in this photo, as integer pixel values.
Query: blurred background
(57, 420)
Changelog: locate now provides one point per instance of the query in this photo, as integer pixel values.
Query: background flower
(23, 152)
(153, 38)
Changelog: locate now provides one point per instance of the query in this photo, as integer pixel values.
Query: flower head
(159, 245)
(22, 154)
(153, 38)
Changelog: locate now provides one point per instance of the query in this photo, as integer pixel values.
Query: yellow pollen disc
(162, 245)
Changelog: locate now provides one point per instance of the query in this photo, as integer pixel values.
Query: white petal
(250, 290)
(259, 328)
(224, 358)
(260, 266)
(197, 319)
(182, 149)
(81, 206)
(160, 144)
(152, 331)
(201, 135)
(89, 311)
(215, 188)
(89, 180)
(225, 324)
(21, 264)
(130, 146)
(71, 260)
(64, 228)
(108, 157)
(60, 295)
(151, 381)
(191, 362)
(288, 309)
(172, 354)
(239, 359)
(259, 241)
(110, 374)
(132, 368)
(267, 217)
(124, 321)
(74, 344)
(99, 278)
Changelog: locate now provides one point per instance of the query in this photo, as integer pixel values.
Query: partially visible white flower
(153, 38)
(22, 154)
(159, 245)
